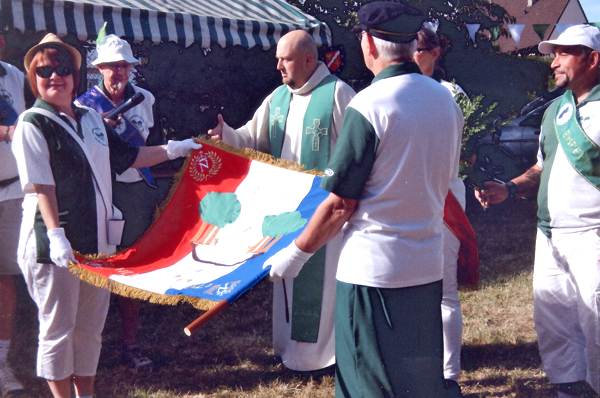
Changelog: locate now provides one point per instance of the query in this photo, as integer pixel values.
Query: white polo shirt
(398, 149)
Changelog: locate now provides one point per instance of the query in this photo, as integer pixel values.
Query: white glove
(179, 149)
(287, 263)
(60, 248)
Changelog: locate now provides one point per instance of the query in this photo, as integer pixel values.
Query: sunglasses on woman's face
(47, 71)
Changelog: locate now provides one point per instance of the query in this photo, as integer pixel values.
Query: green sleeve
(353, 156)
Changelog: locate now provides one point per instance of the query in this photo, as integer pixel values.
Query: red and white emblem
(204, 165)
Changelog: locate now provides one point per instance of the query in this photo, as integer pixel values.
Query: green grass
(232, 355)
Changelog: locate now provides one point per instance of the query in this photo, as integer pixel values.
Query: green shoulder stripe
(353, 156)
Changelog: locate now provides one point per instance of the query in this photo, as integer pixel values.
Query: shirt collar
(594, 95)
(402, 68)
(2, 70)
(319, 74)
(40, 103)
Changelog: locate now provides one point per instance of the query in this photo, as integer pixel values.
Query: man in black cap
(388, 177)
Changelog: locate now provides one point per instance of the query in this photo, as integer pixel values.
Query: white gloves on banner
(179, 149)
(287, 263)
(60, 248)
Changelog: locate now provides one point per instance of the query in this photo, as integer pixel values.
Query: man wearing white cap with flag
(566, 279)
(135, 191)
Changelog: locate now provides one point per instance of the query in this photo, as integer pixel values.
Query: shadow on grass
(234, 351)
(504, 356)
(502, 370)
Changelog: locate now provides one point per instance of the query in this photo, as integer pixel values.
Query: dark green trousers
(388, 342)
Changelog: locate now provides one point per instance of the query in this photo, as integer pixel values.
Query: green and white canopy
(247, 23)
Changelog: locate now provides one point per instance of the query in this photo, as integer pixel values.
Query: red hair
(52, 55)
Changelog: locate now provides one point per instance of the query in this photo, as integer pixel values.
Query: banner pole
(206, 317)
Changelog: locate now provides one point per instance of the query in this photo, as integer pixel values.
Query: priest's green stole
(316, 137)
(314, 154)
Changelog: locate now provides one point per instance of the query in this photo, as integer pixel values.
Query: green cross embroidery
(317, 132)
(276, 118)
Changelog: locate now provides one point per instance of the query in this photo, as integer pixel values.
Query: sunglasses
(116, 65)
(47, 71)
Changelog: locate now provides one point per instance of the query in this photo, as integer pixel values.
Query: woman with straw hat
(65, 155)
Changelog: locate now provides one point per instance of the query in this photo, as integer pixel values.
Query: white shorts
(71, 316)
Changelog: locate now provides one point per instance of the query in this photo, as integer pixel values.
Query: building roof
(542, 12)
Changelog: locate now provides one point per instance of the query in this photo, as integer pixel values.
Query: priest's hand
(61, 252)
(287, 263)
(217, 132)
(180, 149)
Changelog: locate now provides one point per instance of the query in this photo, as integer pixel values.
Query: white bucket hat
(114, 49)
(578, 35)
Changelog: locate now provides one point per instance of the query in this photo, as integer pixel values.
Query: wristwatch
(512, 189)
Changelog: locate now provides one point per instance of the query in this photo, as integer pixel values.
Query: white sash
(115, 222)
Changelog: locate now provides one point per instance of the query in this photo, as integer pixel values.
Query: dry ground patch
(232, 356)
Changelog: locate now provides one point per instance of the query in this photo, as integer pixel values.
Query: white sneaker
(9, 384)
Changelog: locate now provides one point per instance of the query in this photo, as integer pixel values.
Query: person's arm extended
(148, 156)
(328, 220)
(527, 184)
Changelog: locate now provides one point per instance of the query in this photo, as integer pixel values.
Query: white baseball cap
(114, 49)
(578, 35)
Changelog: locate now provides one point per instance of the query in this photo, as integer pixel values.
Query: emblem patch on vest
(138, 123)
(564, 115)
(6, 96)
(99, 136)
(204, 165)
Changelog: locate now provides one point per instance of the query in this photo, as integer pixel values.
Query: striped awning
(247, 23)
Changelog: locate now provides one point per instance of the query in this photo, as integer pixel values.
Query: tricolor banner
(228, 211)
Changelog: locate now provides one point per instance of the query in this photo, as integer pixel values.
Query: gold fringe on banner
(165, 299)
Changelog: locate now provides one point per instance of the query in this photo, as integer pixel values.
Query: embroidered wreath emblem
(204, 165)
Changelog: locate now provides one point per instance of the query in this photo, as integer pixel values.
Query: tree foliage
(476, 65)
(478, 122)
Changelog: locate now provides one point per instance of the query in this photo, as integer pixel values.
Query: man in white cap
(388, 176)
(135, 191)
(566, 278)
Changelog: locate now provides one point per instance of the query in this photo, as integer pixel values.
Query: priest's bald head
(297, 58)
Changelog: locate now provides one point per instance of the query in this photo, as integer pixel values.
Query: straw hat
(114, 49)
(51, 40)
